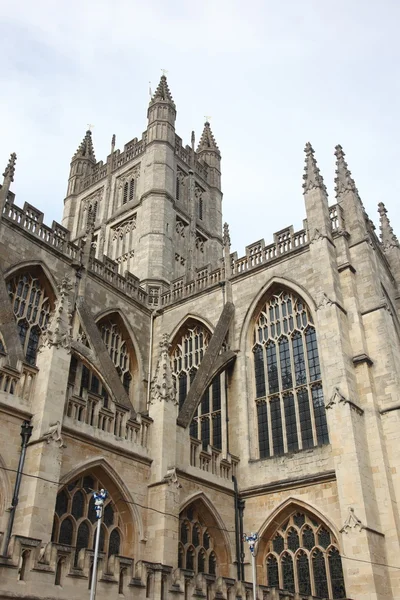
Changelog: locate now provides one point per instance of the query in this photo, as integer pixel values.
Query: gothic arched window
(75, 520)
(31, 306)
(288, 387)
(302, 556)
(119, 347)
(196, 544)
(188, 351)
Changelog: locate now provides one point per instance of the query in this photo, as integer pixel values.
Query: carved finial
(162, 92)
(343, 180)
(226, 236)
(163, 387)
(207, 140)
(193, 140)
(10, 168)
(388, 237)
(113, 143)
(85, 148)
(312, 176)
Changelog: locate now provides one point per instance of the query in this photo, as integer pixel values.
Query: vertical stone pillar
(34, 517)
(163, 497)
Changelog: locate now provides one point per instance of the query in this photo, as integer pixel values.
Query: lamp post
(99, 499)
(26, 432)
(252, 540)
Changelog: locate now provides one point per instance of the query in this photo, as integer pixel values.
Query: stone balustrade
(18, 382)
(212, 461)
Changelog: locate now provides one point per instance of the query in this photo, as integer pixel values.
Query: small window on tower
(201, 208)
(125, 196)
(131, 189)
(177, 188)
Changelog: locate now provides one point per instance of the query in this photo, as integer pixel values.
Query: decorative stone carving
(388, 237)
(316, 235)
(133, 174)
(312, 176)
(352, 522)
(124, 228)
(54, 434)
(323, 301)
(198, 192)
(338, 398)
(172, 478)
(9, 171)
(181, 177)
(180, 227)
(58, 332)
(226, 236)
(343, 180)
(163, 388)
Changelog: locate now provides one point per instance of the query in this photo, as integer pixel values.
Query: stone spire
(312, 176)
(388, 237)
(162, 92)
(10, 169)
(8, 178)
(85, 149)
(207, 141)
(343, 180)
(163, 388)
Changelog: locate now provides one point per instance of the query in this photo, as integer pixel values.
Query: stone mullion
(308, 386)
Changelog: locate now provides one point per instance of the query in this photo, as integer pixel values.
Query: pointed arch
(27, 266)
(216, 527)
(189, 319)
(284, 510)
(5, 490)
(120, 494)
(256, 303)
(109, 312)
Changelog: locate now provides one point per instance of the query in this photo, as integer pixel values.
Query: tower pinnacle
(388, 237)
(343, 180)
(162, 92)
(85, 149)
(312, 176)
(207, 140)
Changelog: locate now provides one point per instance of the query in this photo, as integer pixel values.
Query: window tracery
(196, 545)
(187, 354)
(288, 387)
(32, 308)
(75, 519)
(303, 557)
(116, 343)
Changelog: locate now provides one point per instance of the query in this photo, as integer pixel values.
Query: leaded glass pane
(88, 483)
(82, 539)
(212, 566)
(291, 425)
(320, 581)
(299, 519)
(312, 353)
(273, 381)
(66, 532)
(205, 432)
(201, 562)
(184, 533)
(298, 359)
(259, 371)
(287, 573)
(91, 512)
(78, 505)
(305, 418)
(196, 536)
(216, 393)
(320, 415)
(206, 541)
(109, 515)
(293, 540)
(336, 573)
(276, 426)
(114, 543)
(272, 572)
(217, 431)
(278, 544)
(285, 364)
(303, 575)
(190, 559)
(263, 439)
(61, 503)
(324, 538)
(308, 538)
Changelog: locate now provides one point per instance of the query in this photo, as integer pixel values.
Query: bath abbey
(210, 395)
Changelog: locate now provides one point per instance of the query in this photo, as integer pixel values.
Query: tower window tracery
(31, 307)
(303, 557)
(187, 354)
(75, 519)
(288, 388)
(196, 544)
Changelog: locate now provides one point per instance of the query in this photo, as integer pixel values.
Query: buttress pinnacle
(10, 168)
(343, 180)
(312, 176)
(207, 140)
(388, 237)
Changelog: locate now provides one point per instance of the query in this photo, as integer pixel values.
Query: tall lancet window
(119, 346)
(288, 387)
(189, 348)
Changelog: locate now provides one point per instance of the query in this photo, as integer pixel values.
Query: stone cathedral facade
(210, 395)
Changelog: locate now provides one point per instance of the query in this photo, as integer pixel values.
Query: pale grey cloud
(272, 75)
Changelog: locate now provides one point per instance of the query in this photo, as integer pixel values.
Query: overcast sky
(273, 75)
